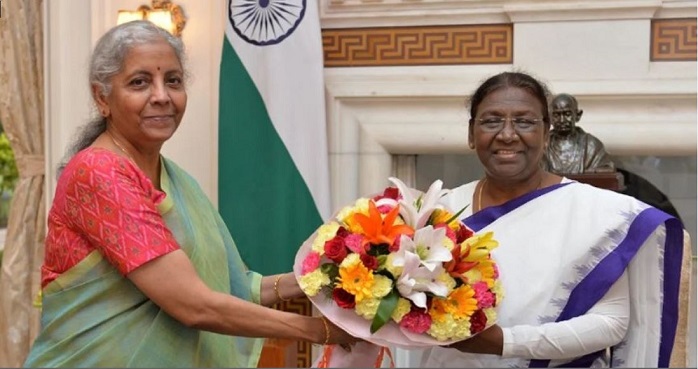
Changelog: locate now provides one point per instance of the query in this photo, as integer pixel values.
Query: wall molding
(374, 13)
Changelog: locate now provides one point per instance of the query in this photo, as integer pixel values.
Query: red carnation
(416, 321)
(478, 321)
(342, 232)
(396, 244)
(343, 298)
(390, 193)
(370, 262)
(335, 249)
(463, 233)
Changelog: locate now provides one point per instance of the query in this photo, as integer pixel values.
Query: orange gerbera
(356, 279)
(380, 230)
(462, 302)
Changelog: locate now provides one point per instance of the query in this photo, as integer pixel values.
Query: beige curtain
(21, 112)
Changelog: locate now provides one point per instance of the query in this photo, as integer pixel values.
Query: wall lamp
(163, 13)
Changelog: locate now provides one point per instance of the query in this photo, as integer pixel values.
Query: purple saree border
(612, 267)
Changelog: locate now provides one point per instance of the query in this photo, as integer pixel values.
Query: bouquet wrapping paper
(399, 269)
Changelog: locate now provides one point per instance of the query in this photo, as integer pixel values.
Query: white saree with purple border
(561, 248)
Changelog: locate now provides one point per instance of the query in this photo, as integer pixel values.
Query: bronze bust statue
(571, 150)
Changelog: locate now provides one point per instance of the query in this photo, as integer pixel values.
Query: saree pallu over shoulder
(95, 317)
(563, 247)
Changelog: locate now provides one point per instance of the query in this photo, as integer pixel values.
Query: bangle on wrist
(327, 330)
(276, 288)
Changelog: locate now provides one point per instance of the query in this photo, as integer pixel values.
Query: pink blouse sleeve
(114, 205)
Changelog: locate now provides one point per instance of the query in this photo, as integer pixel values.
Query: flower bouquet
(401, 269)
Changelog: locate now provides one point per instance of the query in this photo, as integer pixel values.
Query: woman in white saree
(590, 276)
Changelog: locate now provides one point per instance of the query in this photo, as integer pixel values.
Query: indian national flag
(273, 179)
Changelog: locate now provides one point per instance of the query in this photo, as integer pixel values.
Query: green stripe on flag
(261, 194)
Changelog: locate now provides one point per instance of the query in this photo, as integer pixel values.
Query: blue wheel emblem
(265, 22)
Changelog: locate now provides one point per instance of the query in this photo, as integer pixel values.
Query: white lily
(416, 280)
(427, 244)
(416, 207)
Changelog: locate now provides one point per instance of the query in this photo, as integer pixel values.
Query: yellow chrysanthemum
(491, 315)
(356, 279)
(498, 290)
(312, 282)
(396, 271)
(367, 307)
(462, 302)
(346, 215)
(382, 285)
(479, 246)
(325, 233)
(449, 328)
(446, 279)
(351, 260)
(403, 307)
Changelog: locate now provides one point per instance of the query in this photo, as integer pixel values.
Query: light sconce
(163, 13)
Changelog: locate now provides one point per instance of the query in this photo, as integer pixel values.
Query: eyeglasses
(520, 124)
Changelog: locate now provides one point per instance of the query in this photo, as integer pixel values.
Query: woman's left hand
(280, 287)
(489, 341)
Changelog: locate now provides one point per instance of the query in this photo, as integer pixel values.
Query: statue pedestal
(608, 180)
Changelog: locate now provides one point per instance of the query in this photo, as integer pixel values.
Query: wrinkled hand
(489, 341)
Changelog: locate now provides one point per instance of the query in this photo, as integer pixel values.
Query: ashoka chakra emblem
(265, 22)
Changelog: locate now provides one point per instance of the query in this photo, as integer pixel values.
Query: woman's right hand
(336, 335)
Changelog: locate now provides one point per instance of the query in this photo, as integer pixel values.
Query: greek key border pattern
(673, 40)
(300, 306)
(420, 45)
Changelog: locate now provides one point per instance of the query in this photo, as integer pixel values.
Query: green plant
(8, 177)
(8, 168)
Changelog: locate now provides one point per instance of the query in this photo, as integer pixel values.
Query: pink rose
(310, 263)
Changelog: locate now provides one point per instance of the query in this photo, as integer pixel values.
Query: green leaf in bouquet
(331, 269)
(385, 310)
(380, 249)
(381, 261)
(454, 217)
